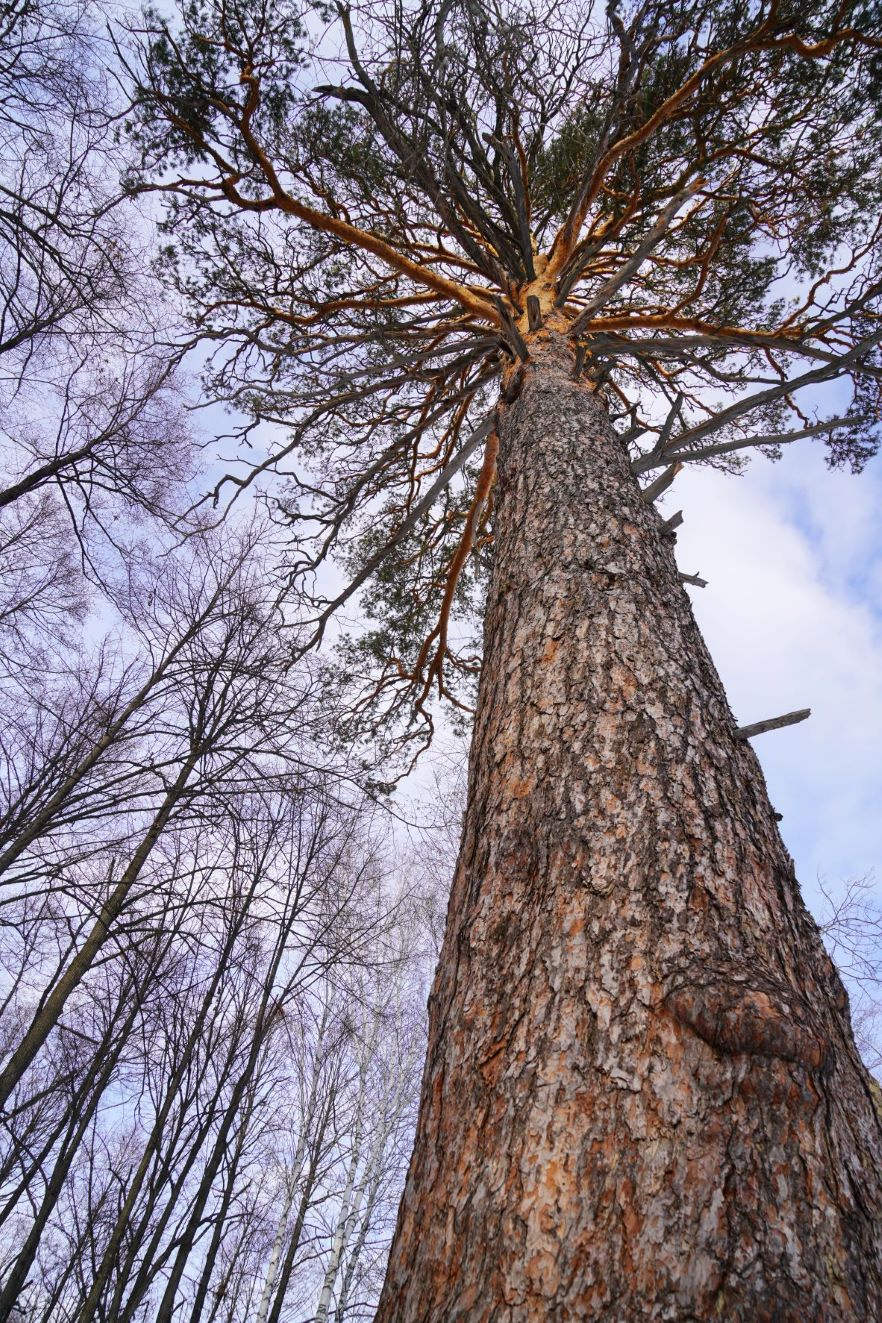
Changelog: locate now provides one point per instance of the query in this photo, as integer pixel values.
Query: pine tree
(500, 271)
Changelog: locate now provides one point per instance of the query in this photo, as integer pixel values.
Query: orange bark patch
(519, 786)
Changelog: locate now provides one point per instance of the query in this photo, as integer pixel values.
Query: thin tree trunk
(341, 1238)
(123, 1226)
(371, 1182)
(219, 1218)
(293, 1179)
(309, 1187)
(49, 1013)
(80, 1121)
(279, 1238)
(233, 1112)
(642, 1098)
(139, 1275)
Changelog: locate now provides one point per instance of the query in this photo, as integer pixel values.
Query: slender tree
(388, 1042)
(136, 1152)
(492, 265)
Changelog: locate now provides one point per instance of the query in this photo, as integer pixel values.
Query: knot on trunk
(735, 1018)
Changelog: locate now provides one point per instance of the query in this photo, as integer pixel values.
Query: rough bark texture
(642, 1098)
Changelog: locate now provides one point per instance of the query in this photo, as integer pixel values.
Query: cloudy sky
(793, 616)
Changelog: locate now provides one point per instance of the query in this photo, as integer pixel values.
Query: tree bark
(642, 1098)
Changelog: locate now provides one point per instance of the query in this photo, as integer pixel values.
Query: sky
(793, 617)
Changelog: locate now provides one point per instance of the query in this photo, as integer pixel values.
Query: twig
(416, 514)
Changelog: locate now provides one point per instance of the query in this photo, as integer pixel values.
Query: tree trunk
(642, 1098)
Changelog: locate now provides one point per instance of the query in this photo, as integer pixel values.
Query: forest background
(212, 1120)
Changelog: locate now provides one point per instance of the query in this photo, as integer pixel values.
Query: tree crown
(378, 214)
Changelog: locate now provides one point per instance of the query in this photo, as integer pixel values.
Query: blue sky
(793, 617)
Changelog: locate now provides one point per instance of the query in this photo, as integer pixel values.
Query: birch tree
(135, 1154)
(387, 1045)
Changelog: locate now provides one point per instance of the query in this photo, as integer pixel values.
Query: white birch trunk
(344, 1218)
(388, 1110)
(372, 1174)
(292, 1183)
(341, 1237)
(279, 1240)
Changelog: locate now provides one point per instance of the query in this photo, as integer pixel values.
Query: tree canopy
(372, 211)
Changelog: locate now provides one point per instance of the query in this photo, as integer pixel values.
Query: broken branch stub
(773, 723)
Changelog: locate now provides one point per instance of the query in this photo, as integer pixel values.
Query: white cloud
(793, 617)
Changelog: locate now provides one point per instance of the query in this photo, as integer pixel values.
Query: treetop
(376, 212)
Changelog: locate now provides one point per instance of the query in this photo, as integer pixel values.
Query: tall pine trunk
(642, 1098)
